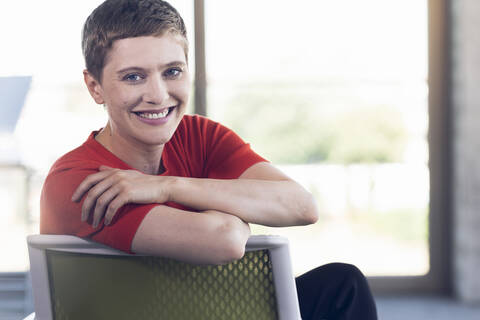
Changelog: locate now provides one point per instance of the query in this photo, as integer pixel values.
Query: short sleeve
(60, 215)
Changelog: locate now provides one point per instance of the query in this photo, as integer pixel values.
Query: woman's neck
(146, 159)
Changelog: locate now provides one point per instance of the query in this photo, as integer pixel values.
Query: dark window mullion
(200, 106)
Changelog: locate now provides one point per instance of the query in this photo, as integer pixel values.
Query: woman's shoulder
(198, 125)
(190, 120)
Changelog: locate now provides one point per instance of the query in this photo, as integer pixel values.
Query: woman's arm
(209, 237)
(262, 195)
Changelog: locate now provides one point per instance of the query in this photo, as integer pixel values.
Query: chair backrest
(73, 278)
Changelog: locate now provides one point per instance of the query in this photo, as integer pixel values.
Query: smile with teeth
(157, 115)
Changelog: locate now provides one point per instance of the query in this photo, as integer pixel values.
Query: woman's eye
(132, 77)
(173, 72)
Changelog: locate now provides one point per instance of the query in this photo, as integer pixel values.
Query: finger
(113, 208)
(93, 194)
(104, 168)
(102, 203)
(88, 183)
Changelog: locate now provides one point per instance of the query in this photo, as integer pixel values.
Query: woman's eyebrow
(168, 65)
(175, 64)
(129, 69)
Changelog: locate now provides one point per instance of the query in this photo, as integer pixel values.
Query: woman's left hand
(110, 189)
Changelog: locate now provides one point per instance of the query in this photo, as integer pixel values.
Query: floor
(396, 308)
(425, 307)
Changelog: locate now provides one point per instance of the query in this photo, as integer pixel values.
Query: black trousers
(335, 291)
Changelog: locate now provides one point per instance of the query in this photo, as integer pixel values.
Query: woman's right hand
(109, 189)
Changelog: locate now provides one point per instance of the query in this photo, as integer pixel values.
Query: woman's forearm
(275, 203)
(209, 237)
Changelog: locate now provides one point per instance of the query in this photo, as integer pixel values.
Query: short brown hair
(120, 19)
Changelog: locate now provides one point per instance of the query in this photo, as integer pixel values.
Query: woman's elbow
(309, 212)
(234, 234)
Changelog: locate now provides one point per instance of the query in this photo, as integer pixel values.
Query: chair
(73, 278)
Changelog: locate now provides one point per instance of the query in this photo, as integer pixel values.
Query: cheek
(182, 89)
(124, 98)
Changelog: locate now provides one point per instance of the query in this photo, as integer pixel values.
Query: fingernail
(106, 222)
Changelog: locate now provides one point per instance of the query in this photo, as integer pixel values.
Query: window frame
(438, 279)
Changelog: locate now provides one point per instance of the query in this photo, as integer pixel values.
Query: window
(334, 93)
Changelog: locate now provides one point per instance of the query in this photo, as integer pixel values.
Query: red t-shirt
(199, 148)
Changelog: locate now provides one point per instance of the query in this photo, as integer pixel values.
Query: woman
(156, 181)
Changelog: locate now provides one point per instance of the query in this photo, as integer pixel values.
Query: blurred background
(353, 99)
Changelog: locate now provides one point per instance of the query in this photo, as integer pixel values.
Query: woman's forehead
(146, 50)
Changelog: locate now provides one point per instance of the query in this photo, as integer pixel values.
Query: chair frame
(285, 288)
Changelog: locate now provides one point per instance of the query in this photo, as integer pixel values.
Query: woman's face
(145, 87)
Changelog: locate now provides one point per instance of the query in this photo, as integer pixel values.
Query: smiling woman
(145, 88)
(156, 181)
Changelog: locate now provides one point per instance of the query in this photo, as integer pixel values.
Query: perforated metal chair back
(73, 278)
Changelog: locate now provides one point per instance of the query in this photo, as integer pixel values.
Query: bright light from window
(334, 92)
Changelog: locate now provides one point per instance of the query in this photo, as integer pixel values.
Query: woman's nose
(157, 91)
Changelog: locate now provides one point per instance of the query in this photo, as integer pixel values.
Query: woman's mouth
(153, 116)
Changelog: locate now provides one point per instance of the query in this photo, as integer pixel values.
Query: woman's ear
(94, 87)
